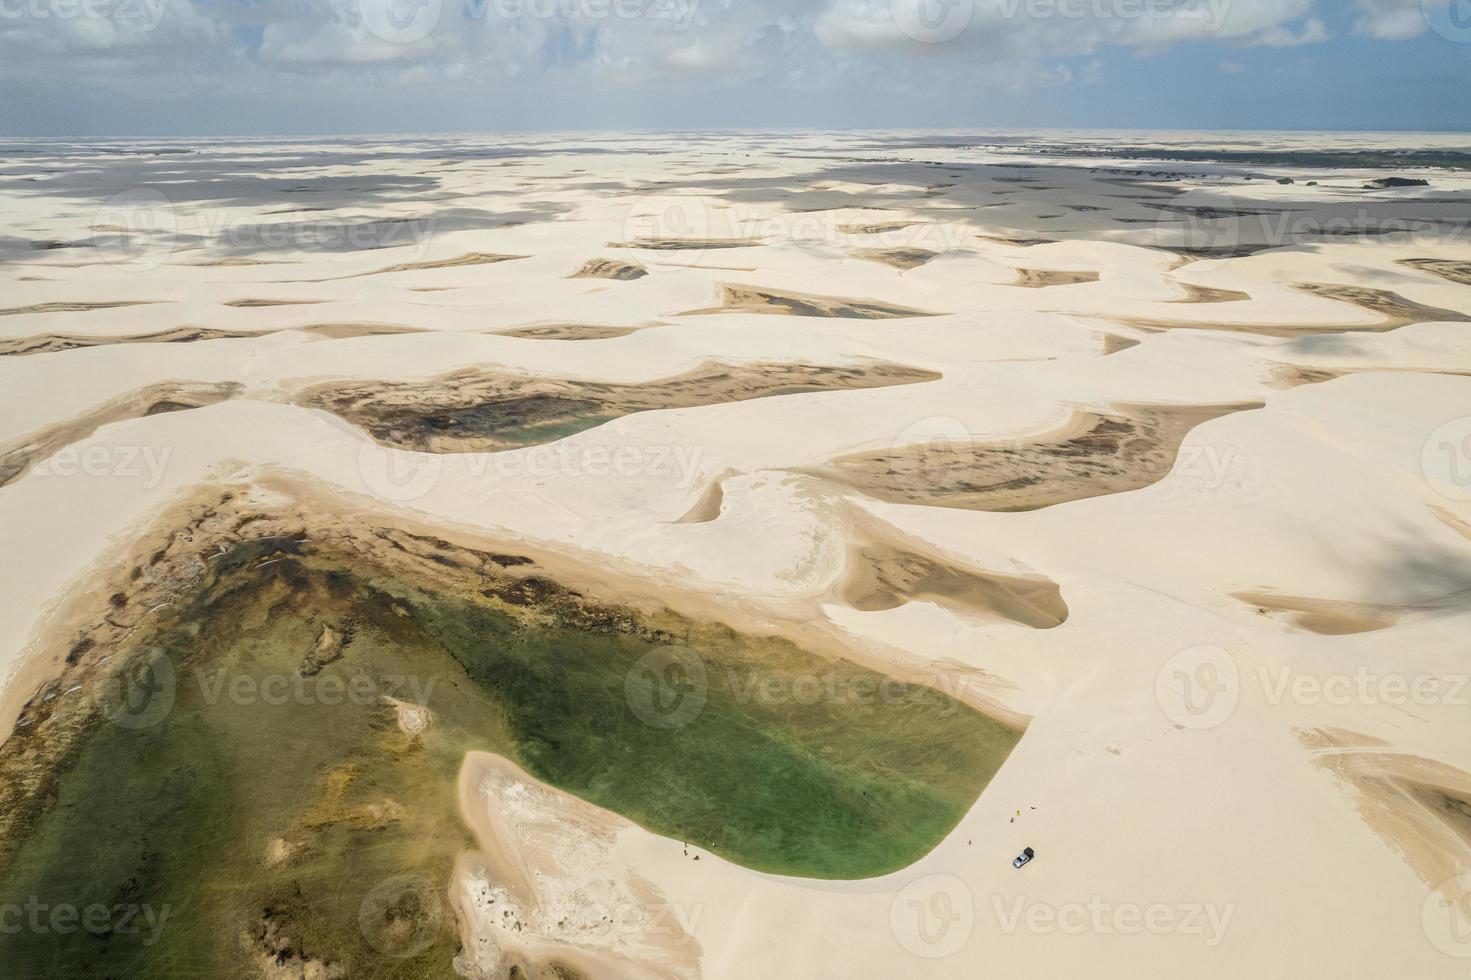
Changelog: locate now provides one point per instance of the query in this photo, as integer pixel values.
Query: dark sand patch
(1281, 375)
(247, 304)
(1332, 617)
(237, 262)
(1326, 617)
(610, 269)
(884, 575)
(21, 454)
(1018, 242)
(877, 228)
(750, 299)
(459, 262)
(1093, 455)
(1463, 528)
(477, 411)
(569, 331)
(899, 258)
(1296, 375)
(72, 307)
(471, 258)
(1420, 808)
(1113, 343)
(1396, 309)
(687, 244)
(1042, 278)
(51, 343)
(711, 502)
(1452, 270)
(1210, 294)
(1192, 253)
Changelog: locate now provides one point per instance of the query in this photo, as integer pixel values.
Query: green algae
(274, 808)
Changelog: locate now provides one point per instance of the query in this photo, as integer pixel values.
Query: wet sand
(1092, 455)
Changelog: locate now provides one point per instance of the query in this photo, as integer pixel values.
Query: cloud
(341, 48)
(1312, 31)
(1391, 20)
(1232, 68)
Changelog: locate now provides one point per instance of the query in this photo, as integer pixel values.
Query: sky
(179, 68)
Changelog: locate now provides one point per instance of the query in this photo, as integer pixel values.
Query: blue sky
(242, 67)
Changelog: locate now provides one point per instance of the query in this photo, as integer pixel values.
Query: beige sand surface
(1187, 822)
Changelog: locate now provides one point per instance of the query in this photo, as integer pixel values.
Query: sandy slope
(1190, 816)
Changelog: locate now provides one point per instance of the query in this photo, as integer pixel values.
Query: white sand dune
(1174, 779)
